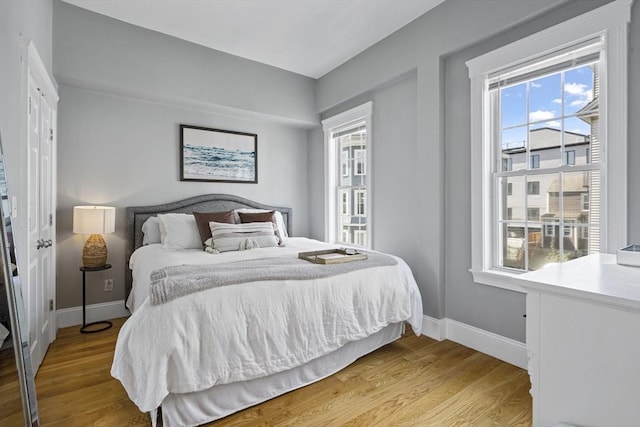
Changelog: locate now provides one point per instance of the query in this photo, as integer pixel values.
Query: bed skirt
(192, 409)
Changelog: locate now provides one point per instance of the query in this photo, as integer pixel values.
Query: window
(361, 197)
(585, 201)
(345, 163)
(570, 157)
(360, 162)
(348, 177)
(535, 161)
(509, 213)
(345, 203)
(509, 189)
(549, 230)
(533, 214)
(543, 94)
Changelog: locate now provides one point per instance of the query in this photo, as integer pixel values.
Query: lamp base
(94, 253)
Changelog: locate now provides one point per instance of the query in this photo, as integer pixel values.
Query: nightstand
(106, 323)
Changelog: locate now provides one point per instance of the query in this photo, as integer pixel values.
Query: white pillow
(282, 228)
(179, 231)
(151, 231)
(240, 237)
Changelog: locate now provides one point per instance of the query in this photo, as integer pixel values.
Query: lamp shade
(94, 219)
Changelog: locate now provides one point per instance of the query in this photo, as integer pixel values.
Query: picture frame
(217, 155)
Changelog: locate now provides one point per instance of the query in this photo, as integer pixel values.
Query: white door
(40, 276)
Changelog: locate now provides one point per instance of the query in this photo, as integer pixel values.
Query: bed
(210, 352)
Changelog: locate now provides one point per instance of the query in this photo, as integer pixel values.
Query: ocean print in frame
(208, 154)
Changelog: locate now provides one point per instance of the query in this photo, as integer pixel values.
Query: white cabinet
(583, 342)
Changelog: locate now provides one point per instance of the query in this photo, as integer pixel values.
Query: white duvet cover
(241, 332)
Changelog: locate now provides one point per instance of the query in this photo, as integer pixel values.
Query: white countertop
(594, 277)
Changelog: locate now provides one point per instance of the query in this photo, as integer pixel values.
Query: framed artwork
(218, 155)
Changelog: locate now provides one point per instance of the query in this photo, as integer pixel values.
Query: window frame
(363, 114)
(534, 161)
(570, 157)
(345, 203)
(359, 160)
(610, 22)
(357, 203)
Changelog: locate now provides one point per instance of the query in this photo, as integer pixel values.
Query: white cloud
(579, 102)
(535, 116)
(536, 85)
(578, 94)
(557, 101)
(575, 89)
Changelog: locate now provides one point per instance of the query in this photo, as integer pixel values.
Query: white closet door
(39, 280)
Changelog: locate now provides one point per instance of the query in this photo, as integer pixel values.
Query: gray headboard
(136, 216)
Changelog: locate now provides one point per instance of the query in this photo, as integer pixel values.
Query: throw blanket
(173, 282)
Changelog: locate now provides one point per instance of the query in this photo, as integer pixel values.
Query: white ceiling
(309, 37)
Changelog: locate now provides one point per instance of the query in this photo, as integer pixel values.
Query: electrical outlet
(108, 285)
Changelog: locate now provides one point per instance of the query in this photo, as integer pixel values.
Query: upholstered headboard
(136, 216)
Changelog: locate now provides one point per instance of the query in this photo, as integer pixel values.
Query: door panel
(40, 279)
(33, 300)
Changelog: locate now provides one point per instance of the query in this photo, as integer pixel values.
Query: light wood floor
(415, 381)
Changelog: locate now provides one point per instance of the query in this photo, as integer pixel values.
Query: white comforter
(241, 332)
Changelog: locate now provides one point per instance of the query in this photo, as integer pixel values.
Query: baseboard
(434, 328)
(505, 349)
(95, 312)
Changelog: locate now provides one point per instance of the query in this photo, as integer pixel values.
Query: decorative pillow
(281, 228)
(208, 246)
(204, 218)
(269, 216)
(179, 231)
(240, 237)
(151, 231)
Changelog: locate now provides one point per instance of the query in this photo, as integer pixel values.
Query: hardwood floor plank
(415, 381)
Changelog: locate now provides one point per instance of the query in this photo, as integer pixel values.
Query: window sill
(498, 279)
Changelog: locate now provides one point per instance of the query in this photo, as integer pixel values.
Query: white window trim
(610, 20)
(360, 113)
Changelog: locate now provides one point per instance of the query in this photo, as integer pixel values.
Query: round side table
(106, 324)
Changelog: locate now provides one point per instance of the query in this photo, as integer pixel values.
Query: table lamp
(94, 220)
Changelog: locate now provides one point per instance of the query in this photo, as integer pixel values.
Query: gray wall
(20, 23)
(634, 125)
(118, 141)
(485, 307)
(436, 45)
(393, 171)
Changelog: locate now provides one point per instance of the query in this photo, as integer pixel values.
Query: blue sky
(546, 95)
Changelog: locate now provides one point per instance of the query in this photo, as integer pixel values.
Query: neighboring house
(352, 187)
(538, 201)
